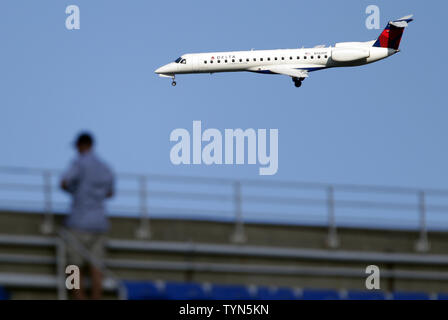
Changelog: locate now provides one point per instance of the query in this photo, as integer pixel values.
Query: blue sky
(384, 123)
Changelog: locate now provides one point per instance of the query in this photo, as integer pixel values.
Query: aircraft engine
(345, 54)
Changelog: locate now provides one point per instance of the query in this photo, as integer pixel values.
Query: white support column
(61, 265)
(144, 231)
(47, 226)
(422, 244)
(238, 235)
(332, 238)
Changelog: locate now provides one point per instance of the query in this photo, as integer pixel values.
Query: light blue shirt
(89, 181)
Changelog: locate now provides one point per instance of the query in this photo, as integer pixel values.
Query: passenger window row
(267, 59)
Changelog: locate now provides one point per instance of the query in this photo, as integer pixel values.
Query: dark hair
(84, 138)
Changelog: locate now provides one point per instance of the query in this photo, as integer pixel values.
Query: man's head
(84, 142)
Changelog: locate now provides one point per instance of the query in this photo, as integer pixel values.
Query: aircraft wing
(292, 72)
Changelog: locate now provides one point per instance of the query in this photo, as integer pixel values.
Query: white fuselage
(309, 59)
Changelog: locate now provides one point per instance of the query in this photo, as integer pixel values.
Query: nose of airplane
(159, 70)
(166, 69)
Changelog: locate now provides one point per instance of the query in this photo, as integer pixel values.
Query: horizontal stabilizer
(406, 19)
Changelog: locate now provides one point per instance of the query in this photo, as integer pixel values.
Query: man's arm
(71, 177)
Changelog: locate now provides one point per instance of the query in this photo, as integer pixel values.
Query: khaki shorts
(93, 242)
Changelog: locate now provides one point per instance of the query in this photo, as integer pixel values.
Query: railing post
(143, 230)
(47, 226)
(332, 237)
(422, 244)
(238, 235)
(61, 265)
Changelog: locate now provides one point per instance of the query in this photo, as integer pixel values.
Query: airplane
(295, 63)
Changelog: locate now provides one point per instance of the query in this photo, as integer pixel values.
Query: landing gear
(173, 83)
(297, 82)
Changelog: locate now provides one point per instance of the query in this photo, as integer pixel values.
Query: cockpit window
(183, 61)
(178, 60)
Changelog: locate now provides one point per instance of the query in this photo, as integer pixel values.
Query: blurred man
(90, 182)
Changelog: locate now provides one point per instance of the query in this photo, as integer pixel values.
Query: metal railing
(240, 202)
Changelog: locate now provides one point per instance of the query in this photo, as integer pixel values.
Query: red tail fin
(391, 36)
